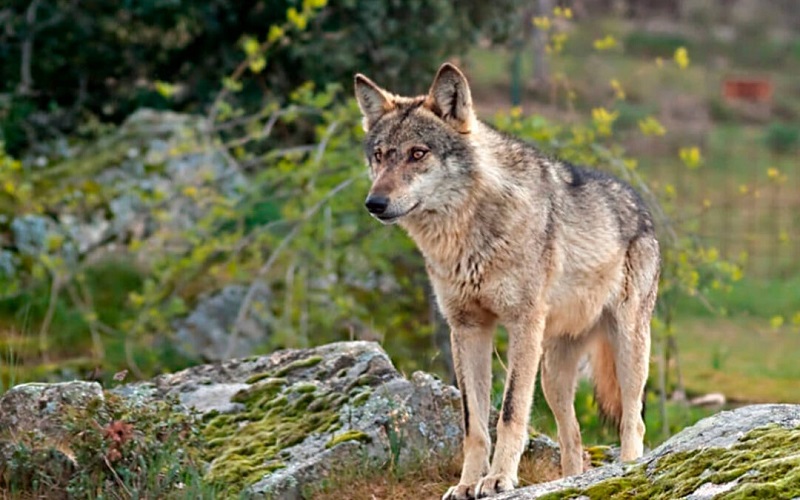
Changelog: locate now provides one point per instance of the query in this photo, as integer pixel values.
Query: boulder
(278, 425)
(39, 408)
(286, 424)
(750, 452)
(206, 332)
(273, 426)
(142, 181)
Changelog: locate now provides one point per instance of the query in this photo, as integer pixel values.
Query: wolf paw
(460, 492)
(494, 484)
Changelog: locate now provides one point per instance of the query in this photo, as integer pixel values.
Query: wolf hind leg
(559, 380)
(629, 338)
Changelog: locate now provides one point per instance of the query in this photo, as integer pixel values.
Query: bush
(105, 59)
(782, 138)
(647, 44)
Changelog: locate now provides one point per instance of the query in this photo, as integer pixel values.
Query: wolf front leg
(472, 358)
(524, 353)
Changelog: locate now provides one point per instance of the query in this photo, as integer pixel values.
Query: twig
(248, 298)
(55, 288)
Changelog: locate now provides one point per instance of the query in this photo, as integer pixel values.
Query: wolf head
(418, 148)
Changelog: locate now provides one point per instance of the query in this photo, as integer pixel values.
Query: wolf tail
(607, 392)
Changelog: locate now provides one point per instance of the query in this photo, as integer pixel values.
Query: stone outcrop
(282, 425)
(750, 452)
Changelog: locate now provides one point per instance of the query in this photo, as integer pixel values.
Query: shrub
(782, 138)
(106, 59)
(647, 44)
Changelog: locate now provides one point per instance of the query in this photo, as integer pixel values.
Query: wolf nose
(377, 204)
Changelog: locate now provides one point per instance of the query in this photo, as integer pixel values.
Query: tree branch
(248, 298)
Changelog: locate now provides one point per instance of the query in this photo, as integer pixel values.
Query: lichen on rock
(751, 452)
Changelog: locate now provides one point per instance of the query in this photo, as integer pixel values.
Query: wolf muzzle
(377, 205)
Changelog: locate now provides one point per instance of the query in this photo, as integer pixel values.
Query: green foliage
(103, 60)
(650, 44)
(113, 448)
(782, 138)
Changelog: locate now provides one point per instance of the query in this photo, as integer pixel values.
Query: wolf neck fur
(444, 236)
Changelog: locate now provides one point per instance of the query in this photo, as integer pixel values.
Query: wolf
(566, 258)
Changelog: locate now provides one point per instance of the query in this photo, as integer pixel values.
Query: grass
(744, 358)
(424, 482)
(68, 343)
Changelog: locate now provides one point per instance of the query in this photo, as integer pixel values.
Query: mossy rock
(751, 452)
(276, 425)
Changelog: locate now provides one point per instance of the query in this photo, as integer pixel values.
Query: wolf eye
(418, 154)
(378, 156)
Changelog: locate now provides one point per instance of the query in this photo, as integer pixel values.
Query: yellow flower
(691, 156)
(743, 189)
(557, 41)
(258, 64)
(619, 93)
(275, 33)
(167, 90)
(606, 43)
(682, 57)
(603, 120)
(773, 173)
(776, 322)
(659, 62)
(542, 22)
(296, 18)
(651, 126)
(515, 112)
(565, 12)
(314, 4)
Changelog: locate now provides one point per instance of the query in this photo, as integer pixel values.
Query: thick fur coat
(564, 257)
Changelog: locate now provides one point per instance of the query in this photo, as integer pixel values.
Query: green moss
(351, 435)
(599, 455)
(361, 398)
(245, 446)
(305, 387)
(298, 364)
(765, 463)
(265, 389)
(258, 377)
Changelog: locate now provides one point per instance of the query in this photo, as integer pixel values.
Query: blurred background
(182, 182)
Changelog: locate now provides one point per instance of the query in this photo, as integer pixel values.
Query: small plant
(654, 44)
(112, 448)
(782, 138)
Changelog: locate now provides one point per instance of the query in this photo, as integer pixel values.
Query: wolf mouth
(390, 218)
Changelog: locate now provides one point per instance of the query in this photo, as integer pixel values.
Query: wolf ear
(451, 99)
(373, 100)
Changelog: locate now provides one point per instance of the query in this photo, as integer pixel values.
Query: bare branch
(265, 269)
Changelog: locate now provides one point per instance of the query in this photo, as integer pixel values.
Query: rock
(282, 425)
(32, 415)
(712, 399)
(206, 332)
(39, 407)
(279, 425)
(139, 179)
(750, 452)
